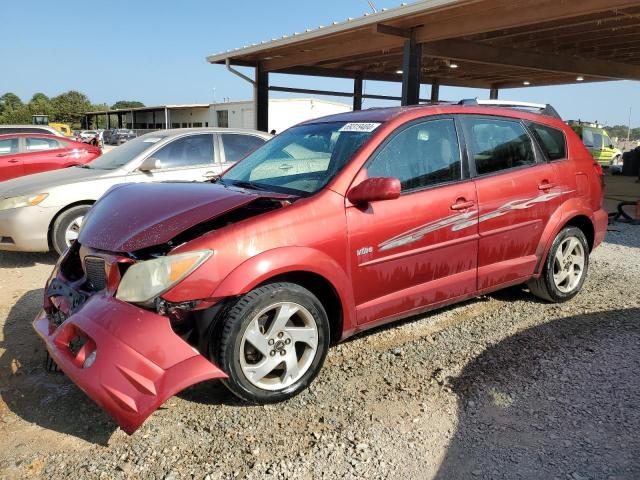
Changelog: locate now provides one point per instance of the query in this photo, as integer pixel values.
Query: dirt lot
(499, 387)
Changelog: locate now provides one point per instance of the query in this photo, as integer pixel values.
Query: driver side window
(185, 152)
(422, 155)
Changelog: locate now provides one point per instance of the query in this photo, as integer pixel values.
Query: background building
(283, 113)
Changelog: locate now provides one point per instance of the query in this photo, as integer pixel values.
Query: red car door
(10, 158)
(517, 193)
(43, 154)
(420, 249)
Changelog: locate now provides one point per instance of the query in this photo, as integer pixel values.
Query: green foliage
(68, 107)
(12, 110)
(127, 104)
(40, 104)
(620, 131)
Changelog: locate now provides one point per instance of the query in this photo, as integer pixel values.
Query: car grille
(96, 273)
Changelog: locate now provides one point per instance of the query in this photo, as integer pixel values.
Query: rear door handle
(13, 160)
(462, 205)
(286, 166)
(546, 185)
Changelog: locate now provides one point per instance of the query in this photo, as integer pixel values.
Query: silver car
(45, 211)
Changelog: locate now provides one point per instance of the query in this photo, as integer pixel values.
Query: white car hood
(45, 181)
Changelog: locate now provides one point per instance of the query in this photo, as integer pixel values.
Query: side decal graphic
(463, 220)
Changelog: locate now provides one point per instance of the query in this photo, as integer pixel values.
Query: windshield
(123, 154)
(301, 160)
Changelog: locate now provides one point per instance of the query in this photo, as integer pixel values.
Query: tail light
(598, 168)
(599, 173)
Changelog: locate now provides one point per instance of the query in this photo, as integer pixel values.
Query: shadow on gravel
(559, 400)
(22, 259)
(623, 234)
(46, 399)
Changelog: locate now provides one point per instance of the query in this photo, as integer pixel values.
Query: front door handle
(462, 204)
(13, 160)
(286, 166)
(545, 185)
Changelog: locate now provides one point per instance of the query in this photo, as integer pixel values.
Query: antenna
(373, 7)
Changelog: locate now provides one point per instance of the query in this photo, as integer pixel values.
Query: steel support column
(411, 71)
(119, 120)
(493, 94)
(261, 96)
(357, 91)
(435, 90)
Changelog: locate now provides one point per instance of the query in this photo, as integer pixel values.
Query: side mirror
(374, 189)
(149, 164)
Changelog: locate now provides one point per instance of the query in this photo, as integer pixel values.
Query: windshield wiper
(247, 185)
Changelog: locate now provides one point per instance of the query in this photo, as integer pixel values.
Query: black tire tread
(60, 219)
(542, 287)
(235, 314)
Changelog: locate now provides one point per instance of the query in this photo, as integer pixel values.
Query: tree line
(68, 107)
(620, 131)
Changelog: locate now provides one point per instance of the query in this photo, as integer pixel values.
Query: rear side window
(238, 146)
(498, 145)
(8, 146)
(188, 151)
(36, 144)
(551, 140)
(421, 155)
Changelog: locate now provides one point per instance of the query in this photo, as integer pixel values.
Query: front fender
(278, 261)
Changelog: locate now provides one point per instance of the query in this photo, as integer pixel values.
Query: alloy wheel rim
(278, 346)
(568, 265)
(73, 230)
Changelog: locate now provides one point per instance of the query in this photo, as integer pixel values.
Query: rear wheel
(272, 343)
(66, 228)
(565, 269)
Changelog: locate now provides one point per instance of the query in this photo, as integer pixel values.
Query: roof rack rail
(543, 109)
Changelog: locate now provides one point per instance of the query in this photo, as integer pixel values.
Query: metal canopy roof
(472, 43)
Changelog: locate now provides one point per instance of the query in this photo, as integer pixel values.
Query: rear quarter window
(551, 140)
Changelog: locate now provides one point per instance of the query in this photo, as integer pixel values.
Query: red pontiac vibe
(334, 226)
(26, 153)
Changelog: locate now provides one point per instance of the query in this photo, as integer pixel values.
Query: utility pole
(629, 126)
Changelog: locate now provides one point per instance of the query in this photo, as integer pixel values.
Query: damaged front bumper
(127, 359)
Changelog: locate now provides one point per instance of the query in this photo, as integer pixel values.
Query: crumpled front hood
(131, 217)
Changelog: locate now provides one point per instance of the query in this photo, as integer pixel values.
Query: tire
(67, 221)
(568, 254)
(248, 343)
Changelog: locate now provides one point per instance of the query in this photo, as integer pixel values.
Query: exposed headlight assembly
(144, 281)
(22, 201)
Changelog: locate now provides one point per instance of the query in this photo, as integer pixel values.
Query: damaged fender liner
(139, 361)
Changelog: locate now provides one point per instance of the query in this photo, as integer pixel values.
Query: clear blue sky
(155, 52)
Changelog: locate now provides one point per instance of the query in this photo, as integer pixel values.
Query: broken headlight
(144, 281)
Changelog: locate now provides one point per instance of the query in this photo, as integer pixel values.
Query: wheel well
(584, 223)
(326, 293)
(53, 220)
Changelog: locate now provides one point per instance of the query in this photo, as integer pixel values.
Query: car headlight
(23, 201)
(144, 281)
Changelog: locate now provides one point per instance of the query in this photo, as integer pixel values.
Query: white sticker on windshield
(360, 127)
(152, 139)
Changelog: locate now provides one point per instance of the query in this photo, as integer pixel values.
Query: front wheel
(272, 343)
(66, 228)
(565, 269)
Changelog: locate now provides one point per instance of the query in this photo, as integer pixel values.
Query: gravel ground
(503, 386)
